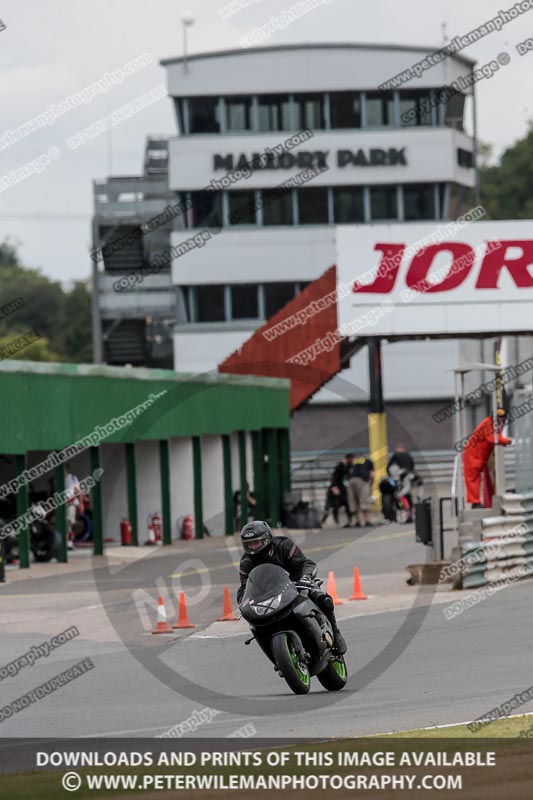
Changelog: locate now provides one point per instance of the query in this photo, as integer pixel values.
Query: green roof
(46, 406)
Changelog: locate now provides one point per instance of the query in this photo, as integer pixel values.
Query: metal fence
(311, 470)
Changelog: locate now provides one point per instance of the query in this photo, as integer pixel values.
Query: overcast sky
(51, 49)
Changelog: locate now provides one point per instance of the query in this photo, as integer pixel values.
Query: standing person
(336, 496)
(72, 489)
(360, 479)
(402, 458)
(252, 501)
(401, 468)
(476, 454)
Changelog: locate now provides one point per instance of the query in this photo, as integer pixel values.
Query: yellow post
(377, 419)
(377, 445)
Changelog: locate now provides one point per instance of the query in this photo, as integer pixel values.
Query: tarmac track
(409, 665)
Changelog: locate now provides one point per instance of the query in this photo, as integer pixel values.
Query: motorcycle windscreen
(267, 580)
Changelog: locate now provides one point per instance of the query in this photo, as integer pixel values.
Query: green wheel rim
(302, 674)
(340, 667)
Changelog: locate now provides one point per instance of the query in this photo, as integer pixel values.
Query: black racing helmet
(256, 537)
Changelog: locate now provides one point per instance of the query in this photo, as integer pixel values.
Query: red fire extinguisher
(187, 528)
(157, 525)
(125, 531)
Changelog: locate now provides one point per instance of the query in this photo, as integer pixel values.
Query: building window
(277, 207)
(442, 193)
(313, 206)
(460, 200)
(238, 113)
(419, 201)
(179, 104)
(181, 211)
(184, 304)
(465, 158)
(379, 109)
(244, 301)
(451, 106)
(242, 208)
(383, 203)
(277, 295)
(274, 112)
(210, 304)
(204, 115)
(415, 108)
(345, 109)
(206, 209)
(348, 204)
(309, 111)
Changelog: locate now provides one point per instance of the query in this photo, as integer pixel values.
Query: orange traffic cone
(183, 618)
(162, 625)
(227, 611)
(332, 589)
(357, 590)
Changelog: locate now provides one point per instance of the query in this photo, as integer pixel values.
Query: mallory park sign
(372, 157)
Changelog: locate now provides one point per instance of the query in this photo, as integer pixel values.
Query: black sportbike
(44, 540)
(291, 630)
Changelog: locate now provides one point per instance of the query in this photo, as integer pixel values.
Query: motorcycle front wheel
(11, 548)
(403, 514)
(292, 667)
(335, 676)
(387, 507)
(45, 547)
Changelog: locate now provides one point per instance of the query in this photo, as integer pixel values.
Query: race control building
(367, 156)
(276, 149)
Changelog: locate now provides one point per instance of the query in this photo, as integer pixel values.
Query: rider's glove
(306, 581)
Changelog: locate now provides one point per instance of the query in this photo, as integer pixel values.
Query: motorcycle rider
(261, 547)
(403, 458)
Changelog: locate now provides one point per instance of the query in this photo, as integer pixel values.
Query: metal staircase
(125, 342)
(280, 356)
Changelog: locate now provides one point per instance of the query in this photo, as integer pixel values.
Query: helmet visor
(255, 545)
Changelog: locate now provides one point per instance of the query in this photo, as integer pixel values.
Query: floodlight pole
(186, 21)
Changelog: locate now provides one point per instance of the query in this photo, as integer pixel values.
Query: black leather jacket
(284, 553)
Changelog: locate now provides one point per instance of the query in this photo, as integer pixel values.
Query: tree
(8, 254)
(506, 190)
(78, 323)
(484, 154)
(13, 347)
(61, 318)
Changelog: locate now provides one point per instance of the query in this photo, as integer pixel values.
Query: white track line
(448, 725)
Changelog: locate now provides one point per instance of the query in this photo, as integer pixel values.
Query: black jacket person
(261, 547)
(336, 496)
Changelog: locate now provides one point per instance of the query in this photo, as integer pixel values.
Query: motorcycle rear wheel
(335, 676)
(46, 547)
(295, 672)
(402, 516)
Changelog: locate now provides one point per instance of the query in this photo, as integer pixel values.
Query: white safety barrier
(505, 552)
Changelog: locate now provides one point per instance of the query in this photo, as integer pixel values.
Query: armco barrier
(506, 546)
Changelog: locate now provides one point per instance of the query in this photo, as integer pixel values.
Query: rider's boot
(339, 642)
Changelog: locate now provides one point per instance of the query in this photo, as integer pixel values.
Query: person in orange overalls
(477, 452)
